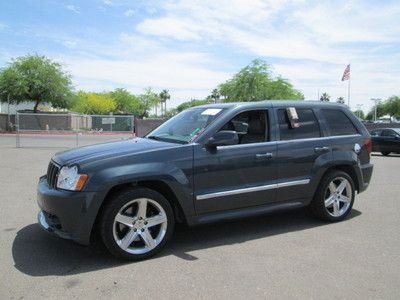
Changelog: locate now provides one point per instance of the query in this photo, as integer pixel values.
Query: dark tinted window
(338, 122)
(376, 132)
(389, 132)
(250, 126)
(309, 127)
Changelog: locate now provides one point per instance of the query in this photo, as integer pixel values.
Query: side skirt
(246, 212)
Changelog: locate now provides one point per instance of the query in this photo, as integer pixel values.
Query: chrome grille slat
(52, 172)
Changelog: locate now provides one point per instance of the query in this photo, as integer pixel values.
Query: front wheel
(136, 223)
(334, 198)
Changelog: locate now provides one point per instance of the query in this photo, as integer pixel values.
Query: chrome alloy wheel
(338, 196)
(139, 226)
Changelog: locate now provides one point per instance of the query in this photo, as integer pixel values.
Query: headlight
(70, 179)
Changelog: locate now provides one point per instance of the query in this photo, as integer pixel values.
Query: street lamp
(376, 100)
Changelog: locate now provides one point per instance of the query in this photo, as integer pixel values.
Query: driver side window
(250, 126)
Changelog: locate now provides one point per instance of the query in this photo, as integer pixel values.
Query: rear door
(298, 150)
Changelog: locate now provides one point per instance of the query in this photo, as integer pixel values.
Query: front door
(241, 175)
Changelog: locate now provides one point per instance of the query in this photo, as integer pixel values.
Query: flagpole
(348, 91)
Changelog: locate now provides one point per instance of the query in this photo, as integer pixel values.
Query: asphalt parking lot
(285, 255)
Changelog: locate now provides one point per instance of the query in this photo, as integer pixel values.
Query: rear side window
(338, 123)
(308, 125)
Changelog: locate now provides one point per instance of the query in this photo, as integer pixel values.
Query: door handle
(264, 155)
(321, 149)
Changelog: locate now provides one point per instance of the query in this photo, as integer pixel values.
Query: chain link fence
(70, 130)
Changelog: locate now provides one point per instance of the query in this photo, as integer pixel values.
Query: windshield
(186, 125)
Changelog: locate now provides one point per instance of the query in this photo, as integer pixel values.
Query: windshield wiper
(165, 139)
(153, 137)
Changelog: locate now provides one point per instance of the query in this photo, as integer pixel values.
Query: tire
(385, 153)
(136, 223)
(329, 204)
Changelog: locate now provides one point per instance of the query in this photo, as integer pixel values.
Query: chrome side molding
(253, 189)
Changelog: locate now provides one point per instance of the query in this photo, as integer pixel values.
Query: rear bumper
(365, 177)
(69, 215)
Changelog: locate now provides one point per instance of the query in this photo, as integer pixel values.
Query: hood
(112, 149)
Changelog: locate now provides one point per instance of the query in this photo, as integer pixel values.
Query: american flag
(346, 73)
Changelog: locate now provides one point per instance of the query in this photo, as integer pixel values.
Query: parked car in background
(207, 164)
(386, 140)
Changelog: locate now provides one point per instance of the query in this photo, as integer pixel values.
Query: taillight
(368, 145)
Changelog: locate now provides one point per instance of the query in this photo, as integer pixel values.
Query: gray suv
(206, 164)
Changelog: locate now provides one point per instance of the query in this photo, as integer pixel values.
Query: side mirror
(223, 138)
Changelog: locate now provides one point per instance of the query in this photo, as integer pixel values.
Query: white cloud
(73, 8)
(129, 12)
(69, 44)
(139, 62)
(169, 27)
(315, 40)
(171, 70)
(176, 45)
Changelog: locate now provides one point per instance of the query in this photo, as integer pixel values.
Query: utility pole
(376, 101)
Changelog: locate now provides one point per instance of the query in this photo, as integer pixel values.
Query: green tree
(126, 102)
(359, 113)
(92, 103)
(192, 103)
(215, 96)
(35, 78)
(255, 82)
(148, 100)
(324, 97)
(171, 112)
(10, 86)
(340, 100)
(391, 107)
(380, 111)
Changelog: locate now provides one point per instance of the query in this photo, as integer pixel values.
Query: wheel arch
(348, 169)
(157, 185)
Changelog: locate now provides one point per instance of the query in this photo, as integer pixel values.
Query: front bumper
(69, 215)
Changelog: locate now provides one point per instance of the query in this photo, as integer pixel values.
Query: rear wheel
(334, 198)
(385, 153)
(136, 224)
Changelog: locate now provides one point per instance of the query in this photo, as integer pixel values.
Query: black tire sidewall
(112, 208)
(318, 203)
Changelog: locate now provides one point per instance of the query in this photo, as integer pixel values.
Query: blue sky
(189, 47)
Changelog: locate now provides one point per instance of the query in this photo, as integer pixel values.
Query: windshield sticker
(211, 111)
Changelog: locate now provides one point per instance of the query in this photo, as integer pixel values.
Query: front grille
(52, 174)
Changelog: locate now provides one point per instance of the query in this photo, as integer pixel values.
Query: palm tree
(164, 96)
(325, 97)
(215, 95)
(340, 100)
